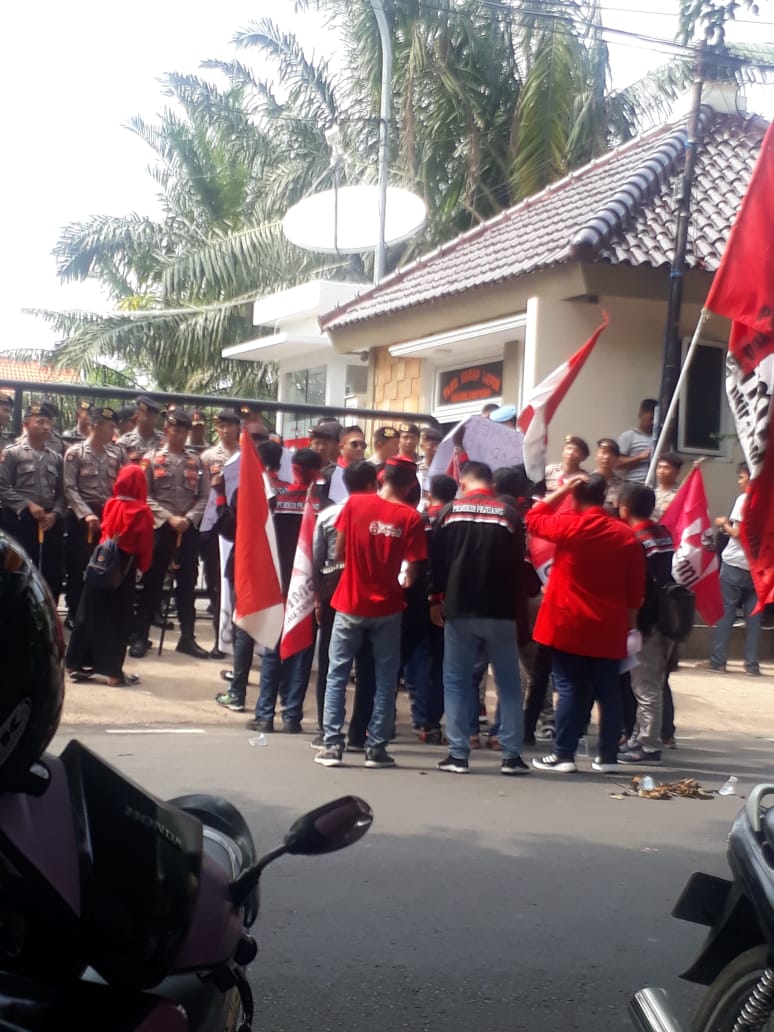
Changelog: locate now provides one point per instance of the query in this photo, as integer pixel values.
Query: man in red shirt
(377, 533)
(591, 602)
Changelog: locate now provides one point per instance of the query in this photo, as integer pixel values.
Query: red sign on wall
(473, 383)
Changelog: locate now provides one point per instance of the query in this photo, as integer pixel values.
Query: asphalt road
(478, 902)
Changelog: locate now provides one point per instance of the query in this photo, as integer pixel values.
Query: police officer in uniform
(386, 442)
(197, 439)
(178, 488)
(227, 424)
(32, 496)
(145, 437)
(90, 470)
(82, 427)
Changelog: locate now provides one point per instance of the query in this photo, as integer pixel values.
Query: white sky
(73, 74)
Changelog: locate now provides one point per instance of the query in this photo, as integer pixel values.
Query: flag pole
(667, 420)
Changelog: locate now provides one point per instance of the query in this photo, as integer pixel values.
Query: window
(703, 417)
(306, 387)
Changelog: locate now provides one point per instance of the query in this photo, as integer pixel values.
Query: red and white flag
(259, 605)
(298, 627)
(543, 403)
(743, 291)
(695, 563)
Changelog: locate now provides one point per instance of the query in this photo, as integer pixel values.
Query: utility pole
(672, 360)
(384, 134)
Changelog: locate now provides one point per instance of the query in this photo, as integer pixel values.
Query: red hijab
(127, 516)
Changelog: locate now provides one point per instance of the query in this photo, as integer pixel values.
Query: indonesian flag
(541, 551)
(743, 291)
(259, 605)
(298, 628)
(543, 403)
(695, 563)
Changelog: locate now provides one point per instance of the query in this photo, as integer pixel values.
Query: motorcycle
(121, 912)
(737, 958)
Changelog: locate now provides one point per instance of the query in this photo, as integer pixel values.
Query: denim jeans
(244, 648)
(287, 678)
(737, 589)
(349, 633)
(424, 679)
(462, 638)
(578, 679)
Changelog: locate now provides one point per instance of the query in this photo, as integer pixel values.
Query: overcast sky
(73, 74)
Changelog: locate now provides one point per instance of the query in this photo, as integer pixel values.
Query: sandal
(79, 676)
(124, 681)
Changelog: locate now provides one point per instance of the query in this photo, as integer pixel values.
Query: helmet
(32, 650)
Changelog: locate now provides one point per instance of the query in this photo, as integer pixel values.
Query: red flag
(541, 552)
(695, 563)
(543, 403)
(298, 627)
(257, 587)
(743, 287)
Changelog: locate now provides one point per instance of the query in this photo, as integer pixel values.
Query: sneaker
(329, 756)
(292, 727)
(453, 765)
(545, 734)
(513, 765)
(318, 741)
(604, 766)
(753, 671)
(378, 758)
(636, 754)
(707, 664)
(229, 702)
(553, 764)
(267, 726)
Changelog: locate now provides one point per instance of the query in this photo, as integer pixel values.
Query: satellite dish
(346, 221)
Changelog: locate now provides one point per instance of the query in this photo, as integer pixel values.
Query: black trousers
(186, 558)
(209, 552)
(537, 687)
(48, 557)
(78, 549)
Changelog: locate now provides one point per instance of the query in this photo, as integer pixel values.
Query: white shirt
(733, 553)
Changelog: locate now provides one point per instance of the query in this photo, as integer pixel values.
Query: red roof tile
(619, 209)
(13, 369)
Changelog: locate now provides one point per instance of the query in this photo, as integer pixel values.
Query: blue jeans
(349, 633)
(423, 673)
(737, 589)
(462, 639)
(287, 678)
(578, 681)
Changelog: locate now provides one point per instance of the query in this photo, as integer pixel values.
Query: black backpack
(675, 612)
(105, 570)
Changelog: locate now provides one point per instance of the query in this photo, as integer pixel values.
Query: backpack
(675, 611)
(104, 570)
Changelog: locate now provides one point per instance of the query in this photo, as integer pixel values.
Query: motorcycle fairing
(140, 864)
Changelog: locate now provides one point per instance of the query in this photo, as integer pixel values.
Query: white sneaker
(604, 768)
(553, 764)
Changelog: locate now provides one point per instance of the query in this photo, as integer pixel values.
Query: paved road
(476, 902)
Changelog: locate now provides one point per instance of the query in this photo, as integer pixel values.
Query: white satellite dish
(346, 221)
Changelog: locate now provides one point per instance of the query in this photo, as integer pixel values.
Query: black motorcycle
(737, 958)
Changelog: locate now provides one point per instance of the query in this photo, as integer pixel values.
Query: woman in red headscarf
(103, 623)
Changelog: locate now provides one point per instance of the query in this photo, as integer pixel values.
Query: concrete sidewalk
(178, 690)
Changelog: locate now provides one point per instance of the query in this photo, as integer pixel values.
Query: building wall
(397, 382)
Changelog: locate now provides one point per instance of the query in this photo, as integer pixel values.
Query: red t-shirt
(379, 536)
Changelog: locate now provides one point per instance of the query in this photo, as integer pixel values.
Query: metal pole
(384, 134)
(667, 421)
(670, 370)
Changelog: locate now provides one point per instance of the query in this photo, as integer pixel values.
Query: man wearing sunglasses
(352, 445)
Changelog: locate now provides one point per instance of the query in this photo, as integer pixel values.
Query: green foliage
(707, 18)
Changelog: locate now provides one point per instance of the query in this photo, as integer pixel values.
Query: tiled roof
(13, 369)
(620, 209)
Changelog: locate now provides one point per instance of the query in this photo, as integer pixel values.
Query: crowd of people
(420, 579)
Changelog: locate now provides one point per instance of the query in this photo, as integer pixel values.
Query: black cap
(329, 430)
(127, 412)
(579, 443)
(228, 415)
(409, 428)
(179, 418)
(146, 404)
(50, 409)
(610, 444)
(430, 433)
(103, 414)
(37, 408)
(385, 433)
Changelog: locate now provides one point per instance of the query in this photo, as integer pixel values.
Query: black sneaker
(453, 764)
(329, 756)
(378, 758)
(229, 702)
(318, 741)
(292, 727)
(513, 765)
(267, 726)
(554, 765)
(138, 649)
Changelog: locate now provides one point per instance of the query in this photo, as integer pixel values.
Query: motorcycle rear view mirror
(332, 826)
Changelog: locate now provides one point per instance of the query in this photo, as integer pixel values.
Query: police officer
(178, 488)
(6, 415)
(127, 419)
(51, 409)
(82, 427)
(145, 437)
(197, 439)
(386, 441)
(90, 470)
(213, 459)
(32, 496)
